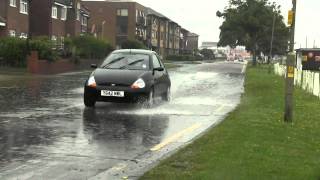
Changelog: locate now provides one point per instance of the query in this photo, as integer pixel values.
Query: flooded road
(47, 133)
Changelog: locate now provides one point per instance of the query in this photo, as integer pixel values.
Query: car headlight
(92, 82)
(139, 84)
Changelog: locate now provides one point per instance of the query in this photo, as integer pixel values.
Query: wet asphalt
(47, 133)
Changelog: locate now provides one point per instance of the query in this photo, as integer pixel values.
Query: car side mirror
(158, 69)
(94, 66)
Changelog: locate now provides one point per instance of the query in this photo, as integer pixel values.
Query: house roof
(150, 11)
(193, 34)
(64, 2)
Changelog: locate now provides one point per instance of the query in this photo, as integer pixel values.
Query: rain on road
(47, 133)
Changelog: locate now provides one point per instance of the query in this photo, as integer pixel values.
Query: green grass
(253, 142)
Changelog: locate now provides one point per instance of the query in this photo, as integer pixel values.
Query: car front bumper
(130, 95)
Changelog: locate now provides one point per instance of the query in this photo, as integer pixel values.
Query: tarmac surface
(47, 133)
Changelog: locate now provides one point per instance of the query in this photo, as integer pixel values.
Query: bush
(133, 44)
(13, 51)
(44, 47)
(208, 54)
(88, 46)
(181, 58)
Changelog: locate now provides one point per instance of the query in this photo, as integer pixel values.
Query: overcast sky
(200, 17)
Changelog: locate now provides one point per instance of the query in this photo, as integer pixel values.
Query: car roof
(139, 51)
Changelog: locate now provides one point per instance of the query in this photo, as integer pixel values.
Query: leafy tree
(249, 23)
(133, 44)
(90, 47)
(208, 54)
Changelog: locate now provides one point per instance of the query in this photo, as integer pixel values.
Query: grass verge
(253, 142)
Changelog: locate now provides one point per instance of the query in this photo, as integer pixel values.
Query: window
(23, 35)
(122, 29)
(122, 12)
(61, 42)
(137, 14)
(54, 41)
(54, 12)
(23, 6)
(84, 21)
(12, 33)
(54, 38)
(155, 61)
(63, 13)
(13, 3)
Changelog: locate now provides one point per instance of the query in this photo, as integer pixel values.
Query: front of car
(124, 76)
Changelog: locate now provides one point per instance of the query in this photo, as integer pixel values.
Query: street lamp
(271, 42)
(29, 27)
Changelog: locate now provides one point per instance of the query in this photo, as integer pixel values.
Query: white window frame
(84, 21)
(23, 36)
(122, 12)
(12, 33)
(54, 12)
(13, 3)
(78, 11)
(23, 6)
(63, 13)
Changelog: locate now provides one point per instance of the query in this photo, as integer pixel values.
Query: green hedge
(44, 47)
(13, 51)
(88, 46)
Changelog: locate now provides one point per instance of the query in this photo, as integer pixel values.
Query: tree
(249, 23)
(133, 44)
(208, 54)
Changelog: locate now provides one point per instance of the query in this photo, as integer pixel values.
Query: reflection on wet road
(46, 133)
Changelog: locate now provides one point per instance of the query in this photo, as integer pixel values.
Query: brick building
(14, 18)
(58, 19)
(183, 41)
(192, 42)
(117, 21)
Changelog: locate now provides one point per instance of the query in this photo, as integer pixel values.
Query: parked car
(128, 76)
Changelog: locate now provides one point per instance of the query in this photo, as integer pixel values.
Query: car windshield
(129, 61)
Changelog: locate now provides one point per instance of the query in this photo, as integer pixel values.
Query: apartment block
(192, 42)
(118, 21)
(14, 18)
(58, 19)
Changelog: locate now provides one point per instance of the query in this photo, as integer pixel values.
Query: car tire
(167, 95)
(89, 100)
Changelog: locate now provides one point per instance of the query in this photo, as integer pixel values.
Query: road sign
(290, 17)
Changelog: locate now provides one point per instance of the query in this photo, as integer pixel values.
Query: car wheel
(88, 100)
(150, 99)
(167, 95)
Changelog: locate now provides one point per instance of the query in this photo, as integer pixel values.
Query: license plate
(112, 93)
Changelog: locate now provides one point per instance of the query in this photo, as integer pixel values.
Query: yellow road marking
(175, 137)
(220, 108)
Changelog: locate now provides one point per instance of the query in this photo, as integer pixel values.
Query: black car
(128, 75)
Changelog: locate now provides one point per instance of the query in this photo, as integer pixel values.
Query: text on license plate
(112, 93)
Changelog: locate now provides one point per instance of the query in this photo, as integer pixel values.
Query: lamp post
(29, 27)
(271, 43)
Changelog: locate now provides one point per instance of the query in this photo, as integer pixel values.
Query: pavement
(47, 133)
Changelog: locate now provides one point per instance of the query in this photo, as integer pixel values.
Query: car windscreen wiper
(132, 63)
(112, 62)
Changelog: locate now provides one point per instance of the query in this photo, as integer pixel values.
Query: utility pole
(288, 115)
(29, 36)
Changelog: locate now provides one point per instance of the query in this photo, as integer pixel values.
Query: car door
(158, 76)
